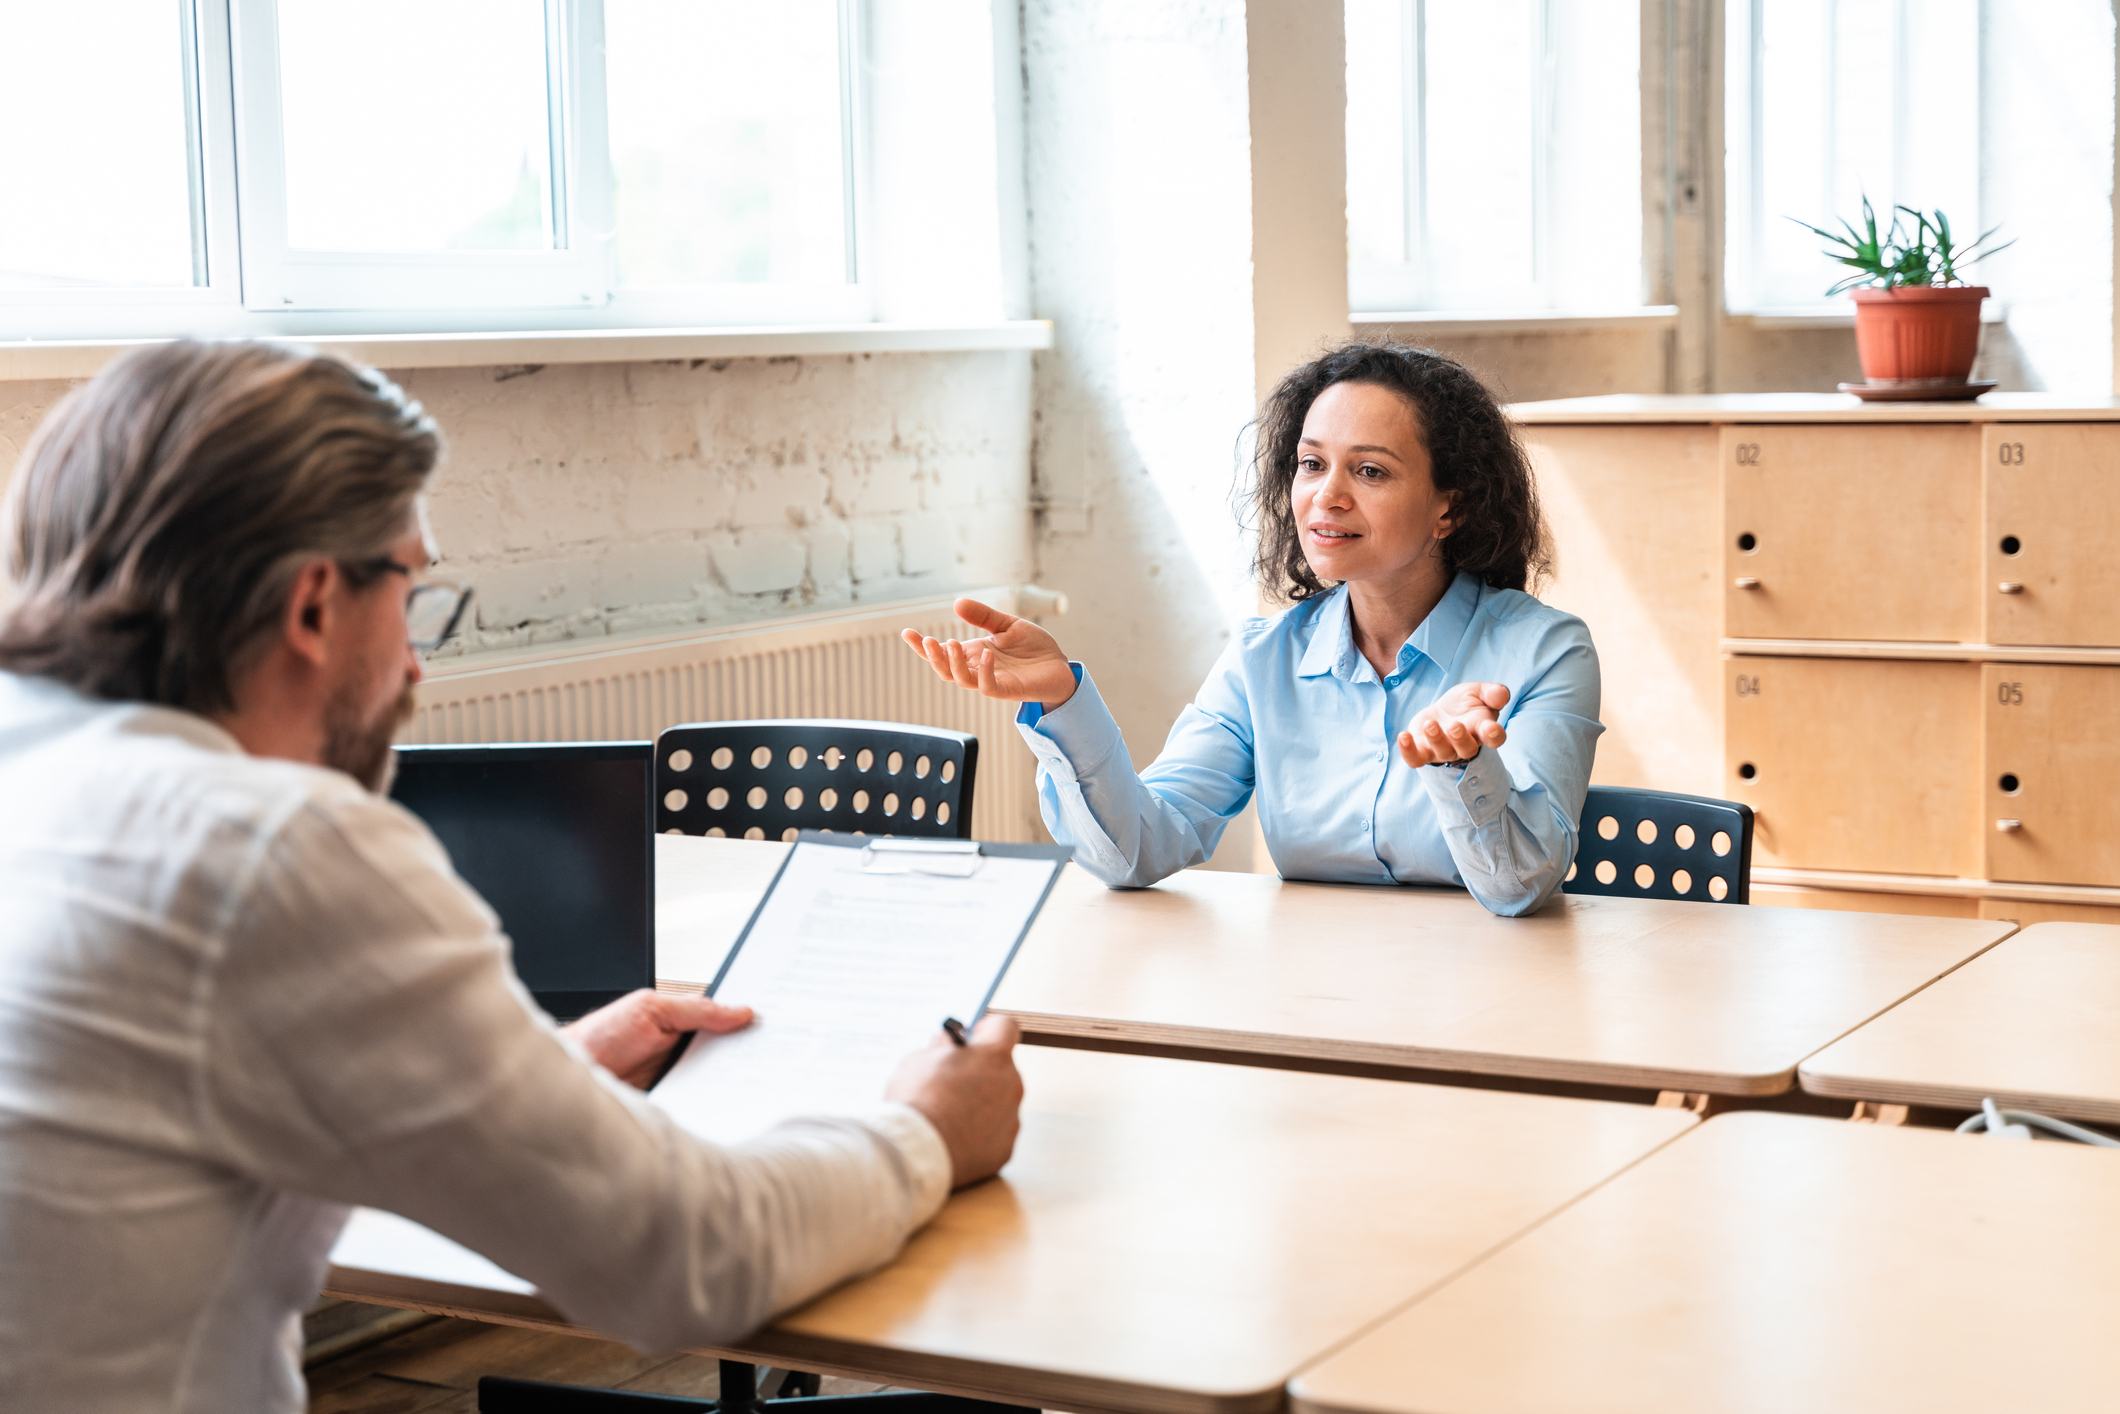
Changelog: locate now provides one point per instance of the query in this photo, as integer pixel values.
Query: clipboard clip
(948, 859)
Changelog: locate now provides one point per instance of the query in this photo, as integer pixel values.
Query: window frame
(254, 285)
(276, 276)
(1403, 290)
(209, 140)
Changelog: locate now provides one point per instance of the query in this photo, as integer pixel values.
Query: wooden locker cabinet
(1856, 764)
(1639, 506)
(2052, 767)
(1861, 901)
(1811, 604)
(2051, 527)
(1851, 532)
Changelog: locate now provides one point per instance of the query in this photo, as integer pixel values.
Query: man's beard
(362, 748)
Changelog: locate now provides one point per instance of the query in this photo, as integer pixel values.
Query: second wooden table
(2029, 1022)
(1630, 993)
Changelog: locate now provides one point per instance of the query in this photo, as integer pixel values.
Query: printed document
(852, 961)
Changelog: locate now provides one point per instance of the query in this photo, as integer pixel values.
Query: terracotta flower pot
(1918, 332)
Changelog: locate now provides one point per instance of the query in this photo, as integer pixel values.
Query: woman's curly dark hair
(1497, 534)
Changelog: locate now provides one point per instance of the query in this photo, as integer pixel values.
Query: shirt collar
(1437, 637)
(1442, 633)
(1330, 636)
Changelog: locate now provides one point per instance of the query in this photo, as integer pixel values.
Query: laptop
(560, 839)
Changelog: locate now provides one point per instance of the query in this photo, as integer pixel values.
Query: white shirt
(237, 995)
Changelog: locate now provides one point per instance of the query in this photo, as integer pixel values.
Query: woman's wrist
(1052, 703)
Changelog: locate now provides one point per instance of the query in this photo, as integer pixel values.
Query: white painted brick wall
(831, 548)
(758, 561)
(874, 551)
(1137, 164)
(927, 543)
(585, 500)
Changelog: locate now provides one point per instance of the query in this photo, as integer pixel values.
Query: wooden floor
(435, 1366)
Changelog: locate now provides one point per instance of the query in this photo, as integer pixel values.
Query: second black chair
(768, 778)
(1660, 844)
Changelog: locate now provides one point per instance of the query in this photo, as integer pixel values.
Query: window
(126, 118)
(214, 166)
(1494, 155)
(1832, 99)
(399, 154)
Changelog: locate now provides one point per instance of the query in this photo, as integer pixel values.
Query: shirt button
(1365, 827)
(1478, 801)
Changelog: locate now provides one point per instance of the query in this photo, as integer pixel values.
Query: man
(239, 989)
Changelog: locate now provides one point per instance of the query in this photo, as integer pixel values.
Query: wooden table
(1768, 1263)
(1595, 991)
(2030, 1022)
(1634, 993)
(1170, 1236)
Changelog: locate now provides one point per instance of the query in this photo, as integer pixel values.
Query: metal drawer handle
(2009, 827)
(2010, 586)
(1745, 581)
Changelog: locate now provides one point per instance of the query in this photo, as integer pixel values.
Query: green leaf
(1922, 253)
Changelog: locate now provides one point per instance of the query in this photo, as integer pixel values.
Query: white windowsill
(1539, 321)
(1838, 314)
(80, 358)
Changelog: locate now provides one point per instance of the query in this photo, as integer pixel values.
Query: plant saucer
(1921, 390)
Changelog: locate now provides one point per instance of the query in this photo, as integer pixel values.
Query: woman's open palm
(1456, 725)
(1016, 661)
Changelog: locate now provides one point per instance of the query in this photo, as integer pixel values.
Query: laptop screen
(559, 839)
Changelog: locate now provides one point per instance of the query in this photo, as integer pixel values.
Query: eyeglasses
(434, 609)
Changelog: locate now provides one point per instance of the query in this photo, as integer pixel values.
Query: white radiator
(842, 664)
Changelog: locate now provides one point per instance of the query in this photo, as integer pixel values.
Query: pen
(954, 1029)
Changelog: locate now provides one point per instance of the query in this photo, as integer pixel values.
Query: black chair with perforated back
(1660, 844)
(767, 779)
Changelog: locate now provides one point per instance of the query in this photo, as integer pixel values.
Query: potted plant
(1917, 324)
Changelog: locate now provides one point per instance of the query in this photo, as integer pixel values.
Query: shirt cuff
(1075, 738)
(1031, 713)
(1476, 793)
(927, 1158)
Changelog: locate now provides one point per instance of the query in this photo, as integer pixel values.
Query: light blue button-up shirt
(1294, 713)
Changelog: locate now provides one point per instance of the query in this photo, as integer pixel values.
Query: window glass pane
(1795, 148)
(1376, 131)
(1517, 185)
(1479, 203)
(1863, 101)
(1941, 159)
(726, 149)
(98, 173)
(1593, 225)
(416, 127)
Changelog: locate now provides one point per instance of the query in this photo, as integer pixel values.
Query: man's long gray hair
(161, 513)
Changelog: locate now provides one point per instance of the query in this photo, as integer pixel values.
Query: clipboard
(909, 848)
(856, 951)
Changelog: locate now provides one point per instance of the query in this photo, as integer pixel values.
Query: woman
(1396, 510)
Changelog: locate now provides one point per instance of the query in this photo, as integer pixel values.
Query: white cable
(2018, 1124)
(1997, 1126)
